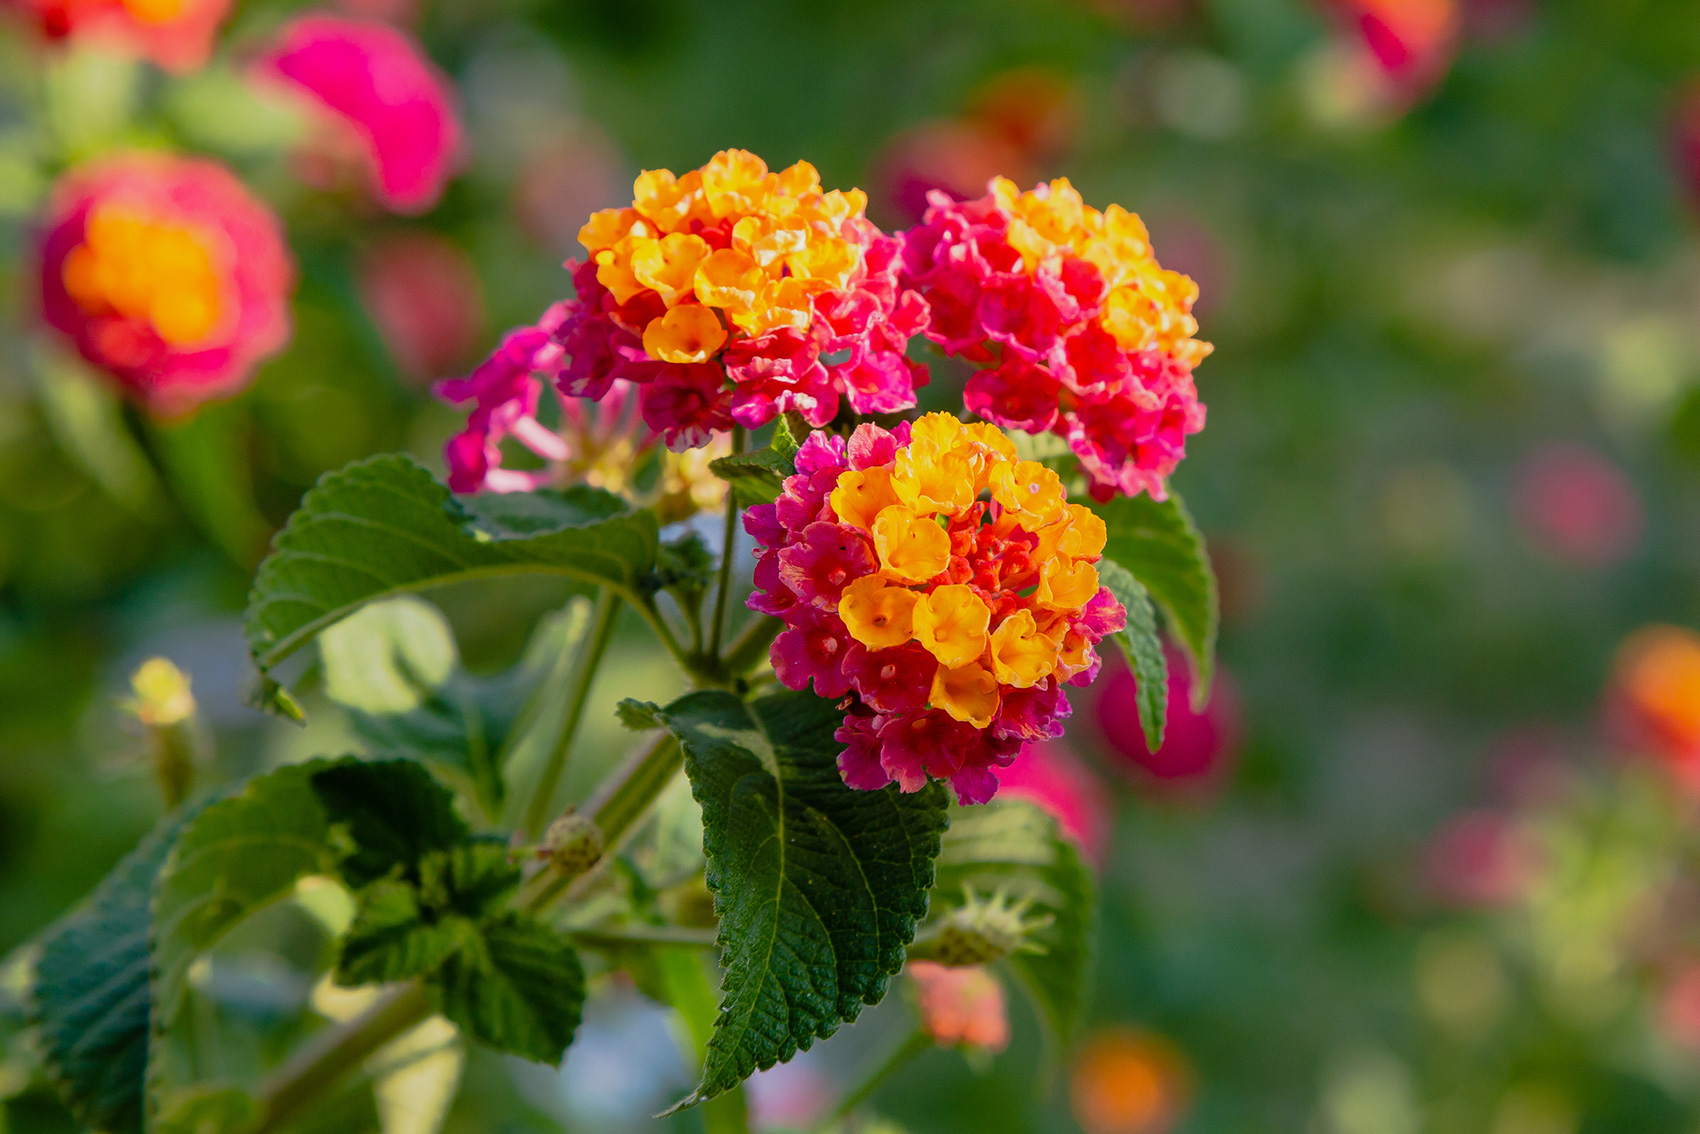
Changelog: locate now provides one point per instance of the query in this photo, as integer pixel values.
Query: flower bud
(572, 844)
(165, 706)
(979, 932)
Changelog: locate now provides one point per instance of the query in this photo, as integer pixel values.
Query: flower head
(1653, 700)
(1080, 331)
(176, 34)
(949, 586)
(960, 1007)
(167, 274)
(732, 294)
(375, 87)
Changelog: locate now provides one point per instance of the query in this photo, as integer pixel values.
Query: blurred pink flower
(376, 84)
(423, 293)
(1410, 41)
(1480, 859)
(1575, 505)
(1050, 776)
(792, 1096)
(1679, 1008)
(167, 274)
(1197, 748)
(564, 180)
(176, 34)
(1685, 130)
(960, 1007)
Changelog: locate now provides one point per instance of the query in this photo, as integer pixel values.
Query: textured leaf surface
(383, 526)
(1142, 645)
(818, 886)
(756, 478)
(1014, 846)
(521, 991)
(91, 995)
(393, 814)
(1159, 544)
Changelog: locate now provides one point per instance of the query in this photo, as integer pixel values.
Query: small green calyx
(572, 844)
(980, 931)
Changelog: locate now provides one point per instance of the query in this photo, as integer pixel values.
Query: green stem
(717, 633)
(683, 936)
(176, 751)
(648, 612)
(750, 647)
(596, 641)
(685, 977)
(616, 806)
(917, 1043)
(335, 1052)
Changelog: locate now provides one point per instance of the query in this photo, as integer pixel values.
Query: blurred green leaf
(1142, 645)
(818, 886)
(1161, 547)
(383, 527)
(86, 419)
(207, 1110)
(1014, 847)
(207, 461)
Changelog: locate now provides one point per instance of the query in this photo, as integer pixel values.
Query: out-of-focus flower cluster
(1081, 331)
(176, 34)
(166, 273)
(954, 621)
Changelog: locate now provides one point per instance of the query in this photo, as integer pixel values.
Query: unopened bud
(572, 844)
(979, 932)
(162, 694)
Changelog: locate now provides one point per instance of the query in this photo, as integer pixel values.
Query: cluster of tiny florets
(1081, 332)
(945, 588)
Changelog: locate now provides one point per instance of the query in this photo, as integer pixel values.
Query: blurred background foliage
(1404, 875)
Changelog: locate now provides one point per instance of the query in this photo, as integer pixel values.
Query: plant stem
(686, 980)
(596, 639)
(335, 1052)
(917, 1042)
(616, 806)
(748, 649)
(683, 936)
(718, 631)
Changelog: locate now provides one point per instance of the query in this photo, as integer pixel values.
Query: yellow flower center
(912, 548)
(684, 334)
(146, 268)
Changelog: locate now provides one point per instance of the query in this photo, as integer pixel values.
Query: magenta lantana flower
(379, 95)
(1078, 329)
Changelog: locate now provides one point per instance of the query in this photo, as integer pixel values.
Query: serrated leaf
(91, 1000)
(789, 433)
(1015, 846)
(391, 939)
(1142, 645)
(394, 666)
(383, 527)
(521, 991)
(393, 812)
(1159, 544)
(818, 886)
(756, 477)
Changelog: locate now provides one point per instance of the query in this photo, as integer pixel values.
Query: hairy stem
(335, 1052)
(718, 631)
(596, 641)
(917, 1043)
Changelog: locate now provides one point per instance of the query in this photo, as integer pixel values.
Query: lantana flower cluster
(944, 588)
(731, 294)
(1081, 331)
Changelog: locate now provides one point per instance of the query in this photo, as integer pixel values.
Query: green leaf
(91, 998)
(393, 813)
(1142, 645)
(383, 527)
(638, 715)
(391, 938)
(757, 477)
(1014, 846)
(789, 433)
(395, 667)
(818, 886)
(207, 1110)
(1158, 543)
(520, 991)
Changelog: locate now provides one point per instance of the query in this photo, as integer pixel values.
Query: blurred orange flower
(1129, 1082)
(960, 1007)
(1653, 701)
(176, 34)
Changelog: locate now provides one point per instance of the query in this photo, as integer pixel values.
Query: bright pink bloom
(1410, 41)
(1050, 776)
(424, 296)
(376, 82)
(1197, 747)
(1575, 505)
(1082, 333)
(167, 274)
(176, 34)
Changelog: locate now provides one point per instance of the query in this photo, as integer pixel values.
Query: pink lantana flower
(1078, 330)
(378, 95)
(167, 274)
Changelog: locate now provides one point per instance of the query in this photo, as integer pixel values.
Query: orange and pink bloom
(950, 623)
(167, 274)
(960, 1007)
(1077, 328)
(177, 35)
(379, 100)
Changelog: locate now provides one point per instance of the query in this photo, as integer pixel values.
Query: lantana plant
(889, 608)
